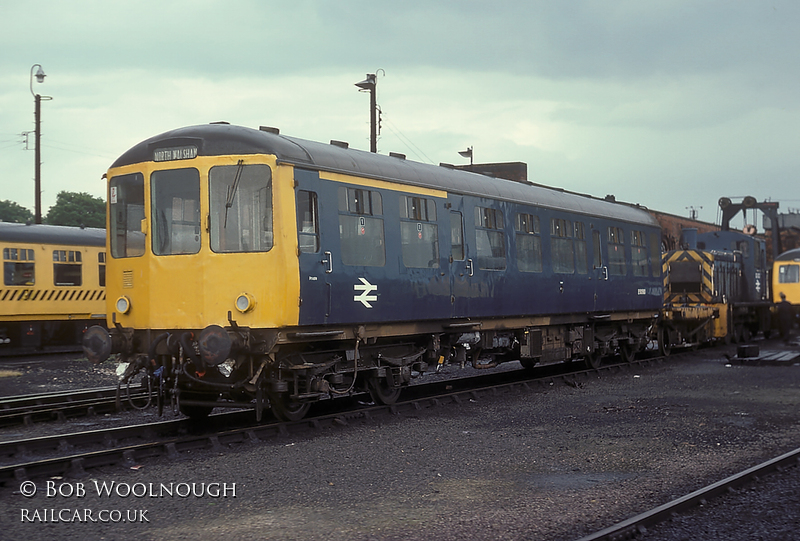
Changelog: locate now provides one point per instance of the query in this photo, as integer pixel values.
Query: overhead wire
(407, 141)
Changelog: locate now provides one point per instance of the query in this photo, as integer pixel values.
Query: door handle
(605, 273)
(469, 266)
(328, 261)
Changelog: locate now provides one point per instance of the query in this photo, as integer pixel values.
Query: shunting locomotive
(252, 269)
(715, 289)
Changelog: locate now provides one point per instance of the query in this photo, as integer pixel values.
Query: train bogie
(250, 268)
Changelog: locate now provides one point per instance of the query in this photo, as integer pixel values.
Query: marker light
(123, 305)
(245, 303)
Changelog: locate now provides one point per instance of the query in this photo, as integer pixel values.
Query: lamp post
(467, 154)
(369, 85)
(37, 141)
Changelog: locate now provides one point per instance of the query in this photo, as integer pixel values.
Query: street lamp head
(39, 76)
(368, 83)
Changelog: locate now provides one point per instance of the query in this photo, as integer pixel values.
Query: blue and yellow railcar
(53, 284)
(786, 278)
(253, 269)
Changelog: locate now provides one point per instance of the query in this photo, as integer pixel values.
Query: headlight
(245, 302)
(123, 305)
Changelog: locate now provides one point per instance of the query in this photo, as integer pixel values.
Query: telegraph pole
(37, 150)
(369, 85)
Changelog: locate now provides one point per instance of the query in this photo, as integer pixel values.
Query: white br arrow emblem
(364, 297)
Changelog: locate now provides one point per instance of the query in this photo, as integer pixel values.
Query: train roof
(221, 138)
(52, 234)
(726, 237)
(790, 255)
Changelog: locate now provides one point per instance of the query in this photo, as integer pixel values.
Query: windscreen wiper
(232, 190)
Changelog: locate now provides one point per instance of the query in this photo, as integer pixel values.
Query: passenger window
(616, 251)
(67, 268)
(241, 208)
(638, 253)
(360, 201)
(308, 232)
(561, 246)
(361, 234)
(456, 236)
(18, 267)
(528, 243)
(419, 234)
(489, 239)
(126, 205)
(176, 211)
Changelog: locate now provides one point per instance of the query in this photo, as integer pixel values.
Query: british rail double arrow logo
(364, 297)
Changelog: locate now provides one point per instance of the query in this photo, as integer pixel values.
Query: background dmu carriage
(263, 270)
(53, 284)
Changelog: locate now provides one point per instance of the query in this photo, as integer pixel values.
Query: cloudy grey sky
(667, 103)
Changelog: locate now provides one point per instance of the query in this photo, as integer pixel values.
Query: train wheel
(593, 360)
(527, 363)
(381, 392)
(664, 342)
(628, 352)
(286, 409)
(193, 411)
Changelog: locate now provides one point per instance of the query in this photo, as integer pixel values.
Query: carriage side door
(599, 269)
(461, 262)
(318, 245)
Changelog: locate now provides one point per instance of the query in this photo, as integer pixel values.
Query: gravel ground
(767, 510)
(65, 372)
(555, 464)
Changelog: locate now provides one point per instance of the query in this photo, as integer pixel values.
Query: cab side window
(308, 222)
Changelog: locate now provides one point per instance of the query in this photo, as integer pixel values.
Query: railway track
(637, 526)
(20, 352)
(62, 405)
(74, 454)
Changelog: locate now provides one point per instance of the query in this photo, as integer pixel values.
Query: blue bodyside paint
(364, 294)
